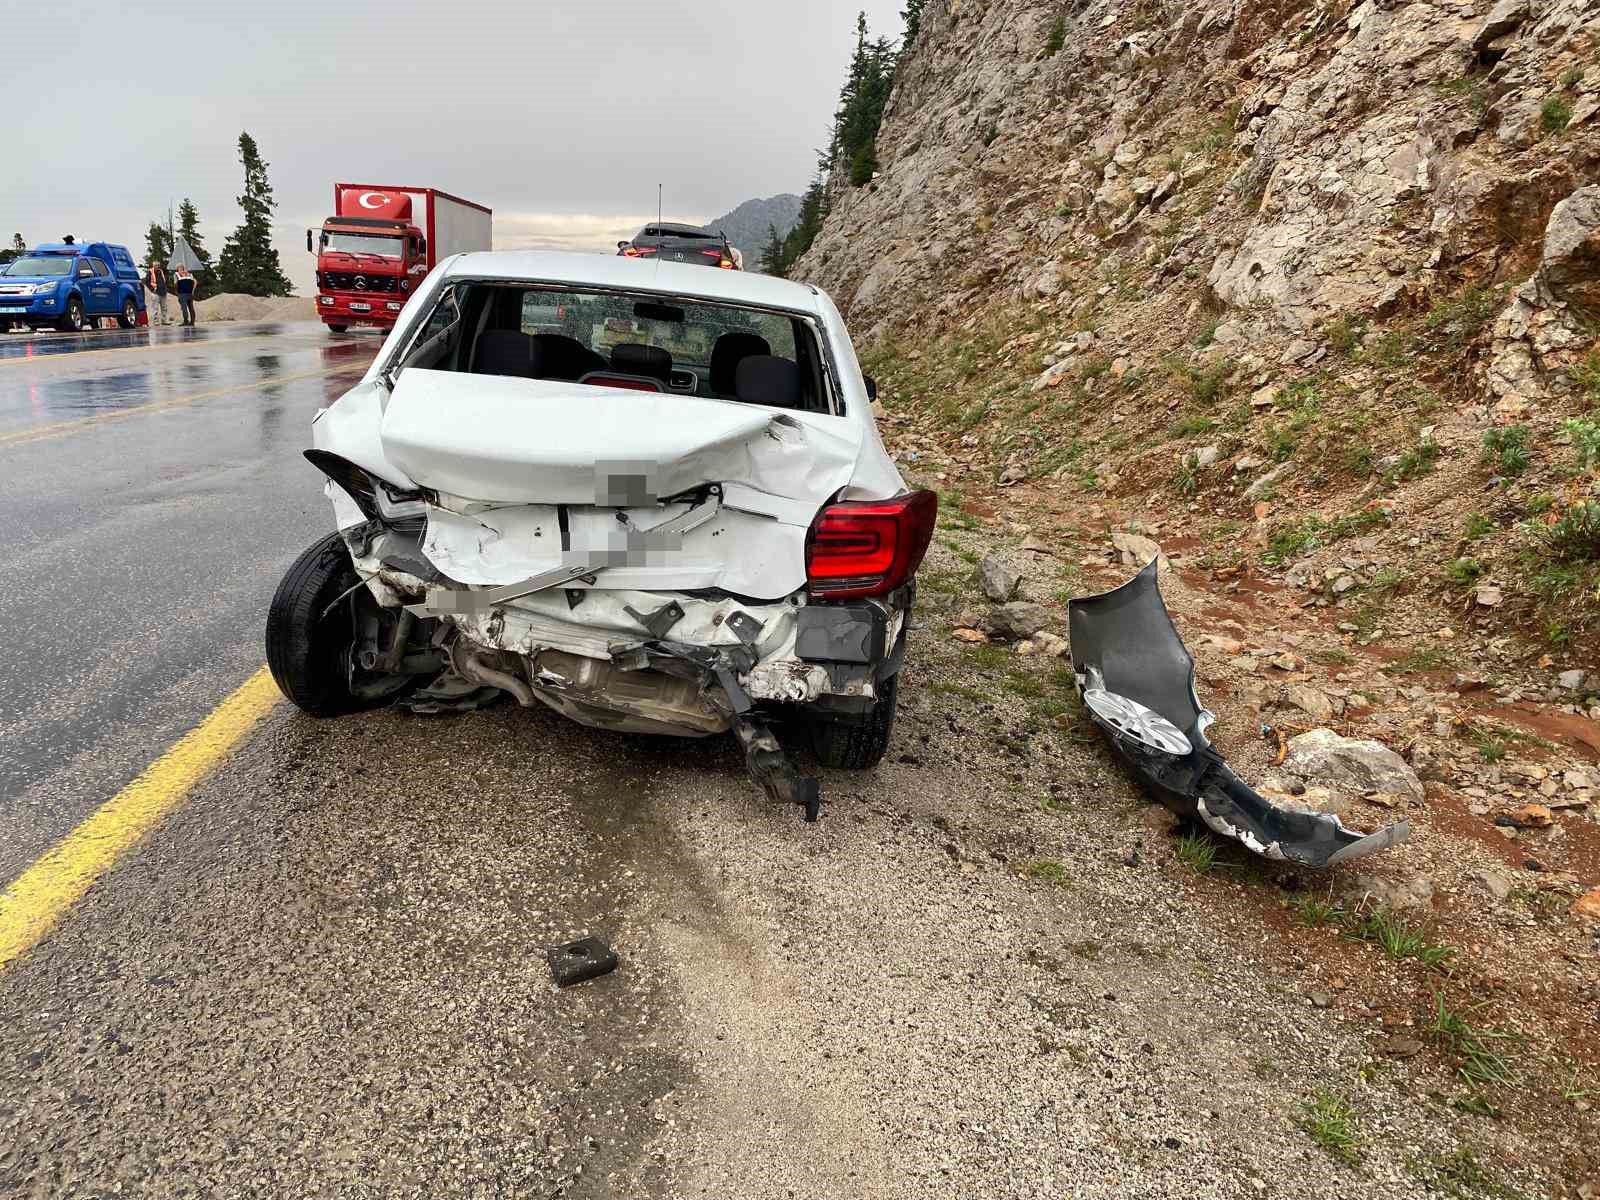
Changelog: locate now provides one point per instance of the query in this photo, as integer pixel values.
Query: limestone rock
(1352, 764)
(1136, 550)
(998, 581)
(1018, 619)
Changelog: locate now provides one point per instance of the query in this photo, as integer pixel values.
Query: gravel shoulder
(986, 972)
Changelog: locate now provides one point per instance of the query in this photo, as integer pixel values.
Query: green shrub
(1585, 435)
(1507, 449)
(1555, 114)
(1344, 335)
(1454, 324)
(1576, 536)
(1415, 462)
(1463, 572)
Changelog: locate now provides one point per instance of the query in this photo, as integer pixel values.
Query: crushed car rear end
(676, 516)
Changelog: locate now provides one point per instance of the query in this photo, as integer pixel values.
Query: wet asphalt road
(153, 493)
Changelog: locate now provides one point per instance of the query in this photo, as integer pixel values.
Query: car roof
(688, 280)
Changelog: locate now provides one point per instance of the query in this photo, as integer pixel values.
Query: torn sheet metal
(535, 441)
(1137, 681)
(691, 545)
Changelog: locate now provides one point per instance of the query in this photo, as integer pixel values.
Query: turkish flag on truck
(367, 202)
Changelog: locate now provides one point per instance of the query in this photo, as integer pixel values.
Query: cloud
(564, 231)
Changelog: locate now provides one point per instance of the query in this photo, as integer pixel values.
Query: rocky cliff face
(1268, 248)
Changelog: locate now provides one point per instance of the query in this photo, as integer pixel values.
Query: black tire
(72, 321)
(129, 316)
(338, 328)
(858, 744)
(310, 656)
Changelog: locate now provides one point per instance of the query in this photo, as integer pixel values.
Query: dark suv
(681, 243)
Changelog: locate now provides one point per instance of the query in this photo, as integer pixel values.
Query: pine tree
(17, 244)
(912, 16)
(861, 104)
(249, 261)
(188, 225)
(813, 211)
(157, 244)
(772, 259)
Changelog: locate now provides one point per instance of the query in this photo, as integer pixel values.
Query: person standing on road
(185, 284)
(155, 282)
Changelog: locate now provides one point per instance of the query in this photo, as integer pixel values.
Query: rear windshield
(626, 340)
(53, 265)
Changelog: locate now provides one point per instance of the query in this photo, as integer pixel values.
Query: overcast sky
(560, 116)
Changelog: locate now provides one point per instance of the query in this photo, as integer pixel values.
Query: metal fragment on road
(1137, 681)
(582, 960)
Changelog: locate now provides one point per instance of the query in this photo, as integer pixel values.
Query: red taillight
(712, 253)
(869, 548)
(630, 252)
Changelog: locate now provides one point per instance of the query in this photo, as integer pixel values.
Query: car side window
(84, 270)
(438, 333)
(99, 267)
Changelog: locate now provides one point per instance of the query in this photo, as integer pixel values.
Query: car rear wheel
(318, 614)
(858, 744)
(73, 320)
(129, 316)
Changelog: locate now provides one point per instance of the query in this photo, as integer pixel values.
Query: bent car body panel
(1137, 679)
(543, 441)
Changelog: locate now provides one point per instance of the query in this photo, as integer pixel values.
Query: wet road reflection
(154, 495)
(119, 371)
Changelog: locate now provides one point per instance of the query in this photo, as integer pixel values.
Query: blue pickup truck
(62, 284)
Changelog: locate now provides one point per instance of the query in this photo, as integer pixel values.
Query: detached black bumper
(1137, 681)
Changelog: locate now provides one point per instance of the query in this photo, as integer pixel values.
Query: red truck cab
(373, 253)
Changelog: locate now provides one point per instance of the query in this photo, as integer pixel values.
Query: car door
(102, 294)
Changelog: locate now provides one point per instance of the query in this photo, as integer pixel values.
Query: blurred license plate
(13, 307)
(356, 307)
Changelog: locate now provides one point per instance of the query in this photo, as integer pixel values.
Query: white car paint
(499, 455)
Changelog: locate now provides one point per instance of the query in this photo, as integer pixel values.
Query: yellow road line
(67, 358)
(44, 431)
(41, 895)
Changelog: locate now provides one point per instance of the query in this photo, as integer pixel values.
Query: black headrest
(726, 355)
(504, 352)
(562, 357)
(632, 358)
(763, 379)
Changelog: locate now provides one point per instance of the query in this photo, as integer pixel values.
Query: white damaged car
(649, 496)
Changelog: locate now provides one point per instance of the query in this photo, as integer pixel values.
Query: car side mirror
(422, 245)
(872, 387)
(622, 245)
(85, 272)
(308, 241)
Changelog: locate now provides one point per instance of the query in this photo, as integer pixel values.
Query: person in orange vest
(155, 282)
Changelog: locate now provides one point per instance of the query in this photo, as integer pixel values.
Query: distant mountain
(747, 226)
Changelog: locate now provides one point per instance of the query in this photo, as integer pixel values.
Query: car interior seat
(732, 349)
(504, 352)
(634, 358)
(562, 357)
(764, 379)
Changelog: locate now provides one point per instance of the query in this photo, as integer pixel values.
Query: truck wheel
(858, 745)
(129, 316)
(338, 328)
(312, 629)
(73, 321)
